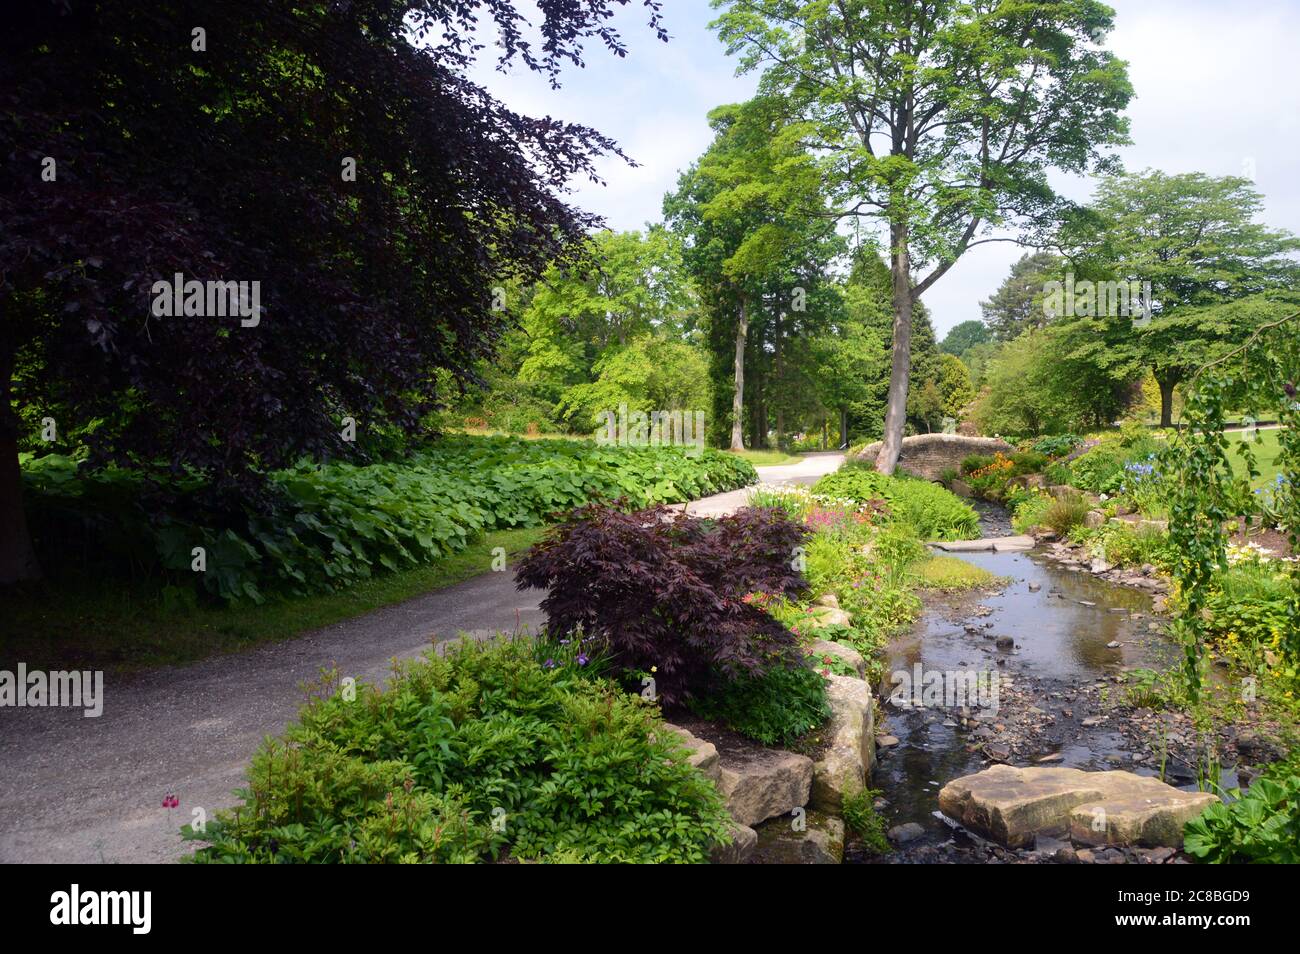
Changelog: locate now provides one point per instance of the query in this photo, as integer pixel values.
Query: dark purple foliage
(664, 590)
(227, 165)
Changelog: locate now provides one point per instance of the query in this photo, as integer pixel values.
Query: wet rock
(1113, 644)
(1035, 587)
(998, 751)
(1049, 758)
(902, 834)
(759, 783)
(886, 741)
(1101, 566)
(815, 839)
(1005, 643)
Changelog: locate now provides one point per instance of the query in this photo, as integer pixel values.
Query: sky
(1216, 86)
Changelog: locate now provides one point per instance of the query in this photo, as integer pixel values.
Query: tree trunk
(738, 395)
(779, 379)
(1166, 401)
(844, 428)
(17, 557)
(901, 369)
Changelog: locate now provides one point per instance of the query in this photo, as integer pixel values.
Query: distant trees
(758, 241)
(1196, 241)
(964, 336)
(1017, 305)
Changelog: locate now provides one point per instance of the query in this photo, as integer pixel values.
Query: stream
(1074, 635)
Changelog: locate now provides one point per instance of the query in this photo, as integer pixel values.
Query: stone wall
(929, 455)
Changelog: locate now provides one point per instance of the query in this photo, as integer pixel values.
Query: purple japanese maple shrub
(663, 591)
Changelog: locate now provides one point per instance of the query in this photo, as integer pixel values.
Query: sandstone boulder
(737, 851)
(1013, 805)
(845, 654)
(760, 783)
(846, 766)
(703, 754)
(930, 455)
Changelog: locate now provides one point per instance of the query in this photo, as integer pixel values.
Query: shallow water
(1061, 622)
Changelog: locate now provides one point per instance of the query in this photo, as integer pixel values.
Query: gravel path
(79, 790)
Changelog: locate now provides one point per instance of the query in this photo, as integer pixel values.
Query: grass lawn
(767, 458)
(117, 627)
(1265, 457)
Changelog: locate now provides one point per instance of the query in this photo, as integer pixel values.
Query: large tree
(939, 119)
(1197, 242)
(758, 237)
(334, 153)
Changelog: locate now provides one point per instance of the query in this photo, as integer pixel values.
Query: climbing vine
(1259, 379)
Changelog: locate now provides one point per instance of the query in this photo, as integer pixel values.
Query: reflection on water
(1061, 623)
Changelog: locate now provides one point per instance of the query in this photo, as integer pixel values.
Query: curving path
(84, 790)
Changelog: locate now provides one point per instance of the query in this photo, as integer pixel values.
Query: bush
(467, 756)
(775, 708)
(665, 592)
(933, 512)
(1064, 514)
(1262, 826)
(1057, 445)
(860, 816)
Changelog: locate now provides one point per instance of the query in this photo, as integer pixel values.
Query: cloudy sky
(1216, 92)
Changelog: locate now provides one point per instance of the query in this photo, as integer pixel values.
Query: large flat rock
(1014, 805)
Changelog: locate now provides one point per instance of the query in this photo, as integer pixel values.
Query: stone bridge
(929, 455)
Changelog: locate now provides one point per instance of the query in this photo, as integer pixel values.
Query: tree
(1017, 305)
(752, 213)
(939, 120)
(376, 195)
(964, 336)
(1195, 242)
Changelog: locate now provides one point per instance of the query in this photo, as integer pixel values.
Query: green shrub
(1057, 445)
(464, 757)
(976, 462)
(1262, 826)
(933, 512)
(1064, 514)
(860, 816)
(776, 708)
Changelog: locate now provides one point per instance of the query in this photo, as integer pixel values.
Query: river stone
(759, 783)
(703, 754)
(846, 766)
(1093, 519)
(738, 850)
(821, 842)
(1013, 805)
(828, 599)
(846, 654)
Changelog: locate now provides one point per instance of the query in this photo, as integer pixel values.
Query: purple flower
(550, 664)
(582, 659)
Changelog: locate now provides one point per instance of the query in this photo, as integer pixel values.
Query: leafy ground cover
(327, 527)
(930, 510)
(506, 750)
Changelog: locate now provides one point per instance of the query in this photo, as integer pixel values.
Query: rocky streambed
(1061, 641)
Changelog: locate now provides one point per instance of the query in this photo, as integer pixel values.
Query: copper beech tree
(331, 155)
